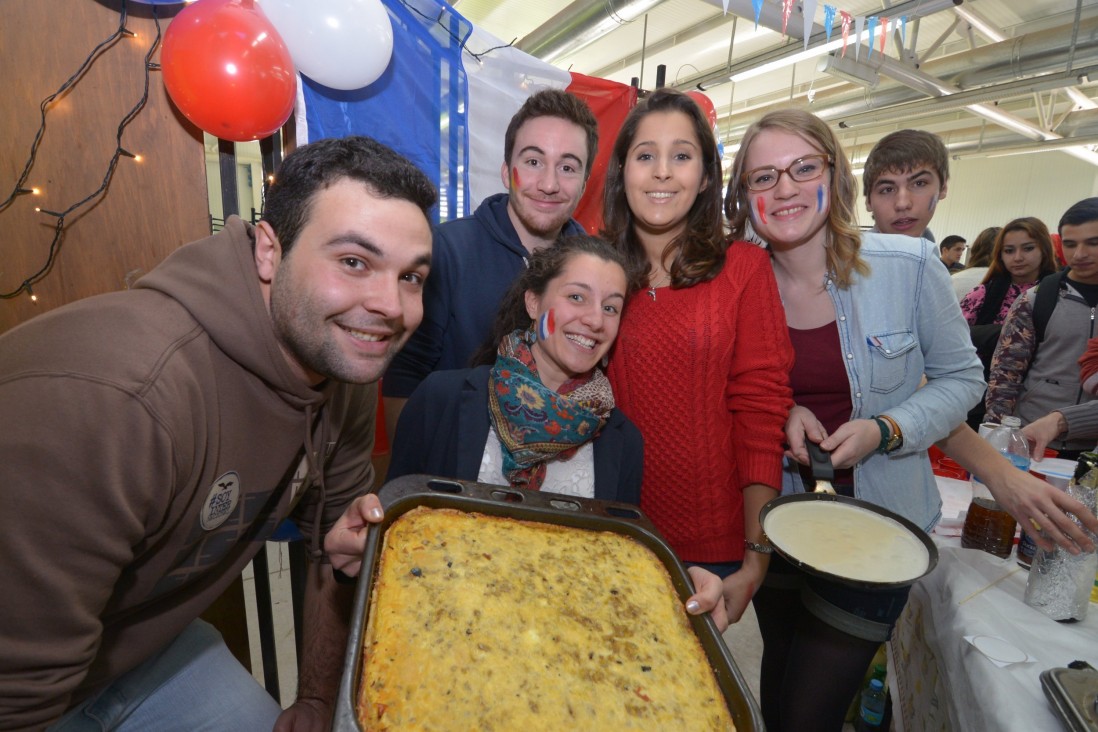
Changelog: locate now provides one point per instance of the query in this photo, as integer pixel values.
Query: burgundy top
(819, 380)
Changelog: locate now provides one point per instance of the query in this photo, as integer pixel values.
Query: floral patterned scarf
(534, 423)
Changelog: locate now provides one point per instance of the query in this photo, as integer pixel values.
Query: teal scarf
(534, 423)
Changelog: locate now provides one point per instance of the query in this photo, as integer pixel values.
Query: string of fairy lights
(21, 186)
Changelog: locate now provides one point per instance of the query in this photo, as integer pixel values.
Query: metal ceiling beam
(770, 18)
(580, 24)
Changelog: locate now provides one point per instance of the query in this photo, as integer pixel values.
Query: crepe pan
(407, 492)
(823, 471)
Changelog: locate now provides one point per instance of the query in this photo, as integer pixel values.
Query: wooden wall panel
(149, 209)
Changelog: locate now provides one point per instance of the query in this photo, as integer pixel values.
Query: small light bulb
(270, 179)
(30, 291)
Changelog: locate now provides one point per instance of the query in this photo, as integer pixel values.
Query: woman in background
(1021, 255)
(702, 359)
(979, 257)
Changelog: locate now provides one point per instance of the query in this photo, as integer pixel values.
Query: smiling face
(1081, 251)
(790, 213)
(1021, 256)
(586, 300)
(663, 175)
(350, 292)
(545, 178)
(904, 202)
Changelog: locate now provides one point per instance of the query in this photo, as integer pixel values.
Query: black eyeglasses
(802, 170)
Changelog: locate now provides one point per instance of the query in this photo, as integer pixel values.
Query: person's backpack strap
(1048, 292)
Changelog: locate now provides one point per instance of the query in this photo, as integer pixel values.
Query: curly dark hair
(697, 255)
(316, 166)
(546, 264)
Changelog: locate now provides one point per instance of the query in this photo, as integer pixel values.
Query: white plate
(998, 649)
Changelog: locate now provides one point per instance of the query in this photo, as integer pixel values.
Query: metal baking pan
(407, 492)
(1073, 694)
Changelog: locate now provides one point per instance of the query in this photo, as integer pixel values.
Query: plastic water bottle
(871, 710)
(987, 525)
(1060, 583)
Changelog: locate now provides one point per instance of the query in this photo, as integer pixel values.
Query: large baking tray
(1073, 695)
(407, 492)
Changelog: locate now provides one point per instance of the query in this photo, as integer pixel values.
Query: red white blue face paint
(515, 184)
(821, 194)
(546, 325)
(933, 203)
(760, 210)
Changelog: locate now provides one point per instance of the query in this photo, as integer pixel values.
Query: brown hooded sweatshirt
(150, 440)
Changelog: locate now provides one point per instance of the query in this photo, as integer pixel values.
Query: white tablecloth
(940, 681)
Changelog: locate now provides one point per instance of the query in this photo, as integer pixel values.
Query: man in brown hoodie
(152, 439)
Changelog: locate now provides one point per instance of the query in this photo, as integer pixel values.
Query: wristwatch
(891, 436)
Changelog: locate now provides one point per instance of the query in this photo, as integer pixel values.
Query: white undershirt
(573, 477)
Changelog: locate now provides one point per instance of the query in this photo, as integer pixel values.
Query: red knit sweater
(704, 374)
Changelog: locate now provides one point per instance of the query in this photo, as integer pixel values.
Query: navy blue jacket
(444, 427)
(475, 260)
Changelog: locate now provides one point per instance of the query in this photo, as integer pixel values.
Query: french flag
(446, 99)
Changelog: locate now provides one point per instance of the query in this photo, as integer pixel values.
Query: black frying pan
(822, 469)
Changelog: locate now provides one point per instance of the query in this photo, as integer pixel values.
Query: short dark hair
(950, 241)
(545, 265)
(904, 150)
(702, 246)
(1081, 213)
(560, 104)
(316, 166)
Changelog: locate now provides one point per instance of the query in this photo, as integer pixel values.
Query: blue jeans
(193, 684)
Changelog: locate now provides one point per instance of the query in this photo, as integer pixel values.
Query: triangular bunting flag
(809, 10)
(872, 33)
(829, 20)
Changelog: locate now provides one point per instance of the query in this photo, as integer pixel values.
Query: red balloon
(228, 70)
(706, 105)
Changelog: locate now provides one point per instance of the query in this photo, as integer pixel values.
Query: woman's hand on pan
(852, 442)
(802, 425)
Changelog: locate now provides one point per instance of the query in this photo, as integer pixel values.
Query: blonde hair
(843, 236)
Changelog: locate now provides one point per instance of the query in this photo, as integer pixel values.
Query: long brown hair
(697, 255)
(844, 239)
(1035, 228)
(546, 264)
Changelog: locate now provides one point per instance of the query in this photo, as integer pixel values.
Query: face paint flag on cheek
(546, 325)
(514, 179)
(820, 198)
(933, 203)
(760, 207)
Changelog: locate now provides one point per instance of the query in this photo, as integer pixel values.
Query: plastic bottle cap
(1012, 422)
(876, 684)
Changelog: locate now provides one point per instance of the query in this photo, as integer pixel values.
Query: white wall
(991, 191)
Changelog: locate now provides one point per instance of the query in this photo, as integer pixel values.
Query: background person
(979, 258)
(1034, 369)
(906, 175)
(950, 252)
(701, 360)
(548, 150)
(1021, 256)
(153, 438)
(792, 181)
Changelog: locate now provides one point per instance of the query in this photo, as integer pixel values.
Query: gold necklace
(652, 288)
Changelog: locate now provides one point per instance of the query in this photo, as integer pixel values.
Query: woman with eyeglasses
(701, 362)
(868, 314)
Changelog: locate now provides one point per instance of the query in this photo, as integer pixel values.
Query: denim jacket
(895, 325)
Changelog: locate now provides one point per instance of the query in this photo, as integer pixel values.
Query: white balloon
(342, 44)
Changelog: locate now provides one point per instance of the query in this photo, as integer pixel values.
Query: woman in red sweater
(702, 360)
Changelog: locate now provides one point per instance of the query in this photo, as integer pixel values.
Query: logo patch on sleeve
(221, 501)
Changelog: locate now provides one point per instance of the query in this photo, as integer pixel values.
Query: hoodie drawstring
(316, 477)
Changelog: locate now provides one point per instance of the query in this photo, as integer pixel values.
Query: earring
(604, 361)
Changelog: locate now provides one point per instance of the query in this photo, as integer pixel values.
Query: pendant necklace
(652, 289)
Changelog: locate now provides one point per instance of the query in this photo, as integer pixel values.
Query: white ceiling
(1001, 47)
